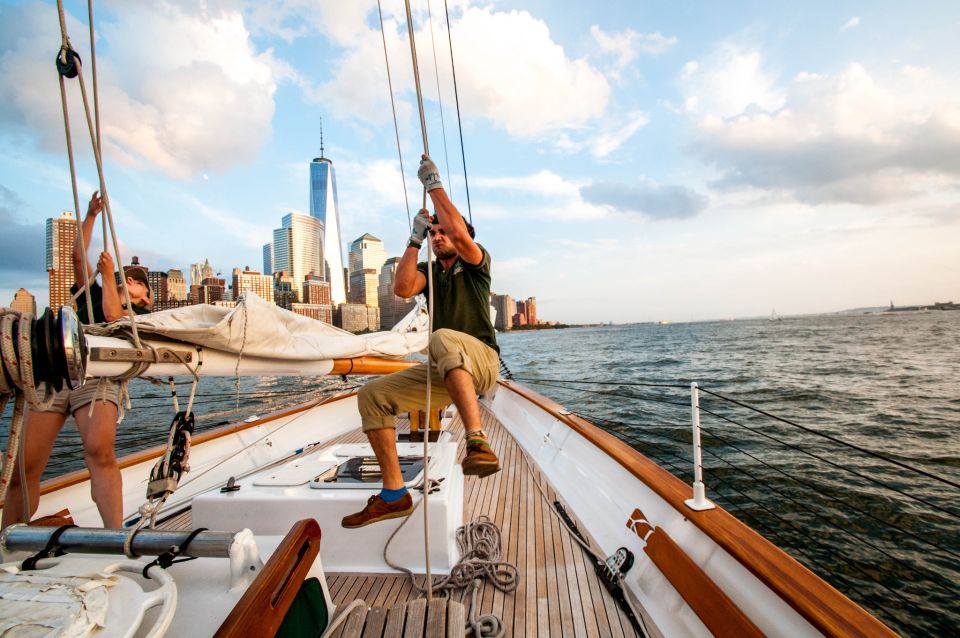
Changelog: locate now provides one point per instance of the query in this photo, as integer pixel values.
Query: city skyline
(776, 155)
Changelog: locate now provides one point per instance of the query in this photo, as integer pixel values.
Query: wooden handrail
(261, 609)
(714, 608)
(820, 604)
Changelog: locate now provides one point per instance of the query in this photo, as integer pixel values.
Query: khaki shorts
(382, 399)
(69, 401)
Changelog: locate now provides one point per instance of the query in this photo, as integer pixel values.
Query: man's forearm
(450, 218)
(406, 276)
(80, 253)
(112, 306)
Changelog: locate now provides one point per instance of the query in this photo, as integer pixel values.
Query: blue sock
(392, 495)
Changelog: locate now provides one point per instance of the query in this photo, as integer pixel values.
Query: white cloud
(550, 196)
(626, 45)
(851, 23)
(525, 83)
(613, 135)
(606, 143)
(727, 82)
(851, 137)
(545, 183)
(182, 88)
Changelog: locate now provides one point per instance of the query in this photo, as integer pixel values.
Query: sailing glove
(421, 224)
(428, 174)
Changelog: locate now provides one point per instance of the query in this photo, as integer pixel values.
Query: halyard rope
(393, 108)
(456, 96)
(66, 47)
(429, 379)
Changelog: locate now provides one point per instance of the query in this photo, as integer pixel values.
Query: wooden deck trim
(813, 598)
(66, 480)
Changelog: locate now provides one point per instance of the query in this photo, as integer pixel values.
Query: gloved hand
(428, 174)
(421, 224)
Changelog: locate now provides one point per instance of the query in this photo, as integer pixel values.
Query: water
(886, 383)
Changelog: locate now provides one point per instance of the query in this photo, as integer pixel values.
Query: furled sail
(257, 328)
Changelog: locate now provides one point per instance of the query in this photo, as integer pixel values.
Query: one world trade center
(324, 206)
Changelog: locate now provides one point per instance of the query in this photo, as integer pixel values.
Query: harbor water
(872, 507)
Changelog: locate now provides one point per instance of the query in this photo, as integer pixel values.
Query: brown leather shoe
(378, 510)
(479, 460)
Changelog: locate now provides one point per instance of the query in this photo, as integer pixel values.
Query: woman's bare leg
(98, 433)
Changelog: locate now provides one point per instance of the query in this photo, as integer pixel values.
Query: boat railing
(877, 525)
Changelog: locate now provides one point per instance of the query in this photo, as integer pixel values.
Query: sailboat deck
(559, 593)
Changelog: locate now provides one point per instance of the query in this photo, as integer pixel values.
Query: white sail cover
(261, 329)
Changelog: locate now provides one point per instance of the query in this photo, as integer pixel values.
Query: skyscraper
(247, 280)
(268, 258)
(199, 272)
(506, 308)
(176, 285)
(24, 302)
(60, 238)
(367, 257)
(392, 307)
(297, 248)
(325, 207)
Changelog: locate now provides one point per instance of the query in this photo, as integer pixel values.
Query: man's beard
(445, 253)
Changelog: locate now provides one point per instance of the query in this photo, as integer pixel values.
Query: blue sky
(627, 161)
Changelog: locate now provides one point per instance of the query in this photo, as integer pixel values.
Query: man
(98, 425)
(464, 357)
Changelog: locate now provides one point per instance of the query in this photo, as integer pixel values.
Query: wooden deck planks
(559, 593)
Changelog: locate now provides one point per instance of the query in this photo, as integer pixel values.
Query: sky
(626, 161)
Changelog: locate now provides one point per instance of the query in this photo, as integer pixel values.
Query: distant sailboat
(774, 316)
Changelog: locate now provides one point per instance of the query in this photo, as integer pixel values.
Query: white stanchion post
(699, 501)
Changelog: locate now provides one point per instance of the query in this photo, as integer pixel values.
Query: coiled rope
(16, 382)
(480, 546)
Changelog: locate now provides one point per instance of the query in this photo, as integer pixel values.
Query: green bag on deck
(308, 615)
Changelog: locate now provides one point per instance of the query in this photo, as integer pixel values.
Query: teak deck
(559, 593)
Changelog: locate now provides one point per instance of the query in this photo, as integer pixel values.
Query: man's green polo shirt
(462, 298)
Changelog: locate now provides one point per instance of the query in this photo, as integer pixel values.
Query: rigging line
(456, 96)
(611, 394)
(66, 47)
(836, 440)
(814, 489)
(416, 79)
(232, 456)
(829, 522)
(76, 202)
(836, 465)
(644, 385)
(718, 479)
(99, 160)
(393, 108)
(96, 95)
(781, 541)
(429, 384)
(756, 523)
(436, 71)
(678, 426)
